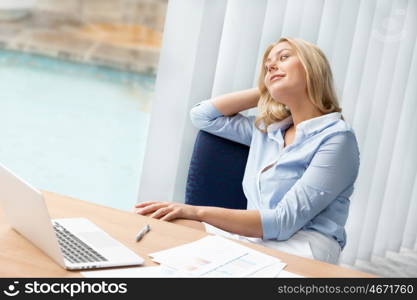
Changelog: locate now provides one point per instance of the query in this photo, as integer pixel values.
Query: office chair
(216, 172)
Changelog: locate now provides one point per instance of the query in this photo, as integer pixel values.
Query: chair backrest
(216, 172)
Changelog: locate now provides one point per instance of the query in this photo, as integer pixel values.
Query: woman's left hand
(167, 211)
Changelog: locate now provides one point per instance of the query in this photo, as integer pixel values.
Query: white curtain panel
(371, 45)
(239, 45)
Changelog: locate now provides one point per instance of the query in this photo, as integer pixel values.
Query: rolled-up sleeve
(238, 127)
(333, 169)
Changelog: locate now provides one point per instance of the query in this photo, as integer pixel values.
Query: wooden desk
(20, 258)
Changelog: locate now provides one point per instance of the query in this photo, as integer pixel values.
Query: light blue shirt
(310, 181)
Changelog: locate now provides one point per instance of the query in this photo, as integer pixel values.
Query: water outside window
(76, 85)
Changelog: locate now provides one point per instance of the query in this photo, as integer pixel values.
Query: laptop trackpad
(89, 232)
(98, 239)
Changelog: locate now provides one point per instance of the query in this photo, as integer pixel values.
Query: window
(77, 80)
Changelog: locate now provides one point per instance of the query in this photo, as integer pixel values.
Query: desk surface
(20, 258)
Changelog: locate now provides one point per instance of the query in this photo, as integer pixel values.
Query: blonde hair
(319, 81)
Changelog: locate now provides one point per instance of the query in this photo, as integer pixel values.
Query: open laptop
(74, 243)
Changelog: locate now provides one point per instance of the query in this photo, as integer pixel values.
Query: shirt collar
(274, 130)
(306, 127)
(280, 125)
(318, 124)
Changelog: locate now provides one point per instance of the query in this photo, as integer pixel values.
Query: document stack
(211, 256)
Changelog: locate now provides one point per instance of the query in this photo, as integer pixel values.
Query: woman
(303, 159)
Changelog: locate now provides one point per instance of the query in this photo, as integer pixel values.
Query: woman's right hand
(232, 103)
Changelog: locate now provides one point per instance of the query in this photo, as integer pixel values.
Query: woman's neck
(302, 111)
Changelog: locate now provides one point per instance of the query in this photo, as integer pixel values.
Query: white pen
(142, 232)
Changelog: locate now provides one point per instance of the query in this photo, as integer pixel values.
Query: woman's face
(284, 73)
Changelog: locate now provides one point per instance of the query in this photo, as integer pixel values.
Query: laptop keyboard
(75, 250)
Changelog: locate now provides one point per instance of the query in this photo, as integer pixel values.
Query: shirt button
(321, 193)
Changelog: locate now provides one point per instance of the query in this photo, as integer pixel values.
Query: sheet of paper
(163, 271)
(214, 256)
(271, 271)
(286, 274)
(244, 266)
(199, 257)
(137, 272)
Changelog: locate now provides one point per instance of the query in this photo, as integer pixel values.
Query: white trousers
(310, 244)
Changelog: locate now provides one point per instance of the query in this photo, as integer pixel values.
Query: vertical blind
(371, 46)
